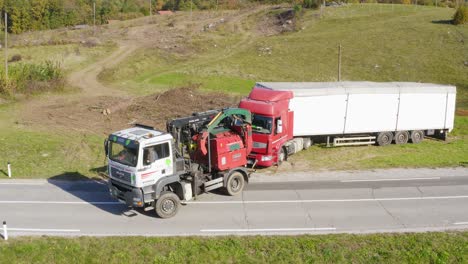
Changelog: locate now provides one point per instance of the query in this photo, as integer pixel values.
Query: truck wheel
(307, 143)
(167, 205)
(384, 138)
(281, 156)
(235, 183)
(417, 136)
(401, 137)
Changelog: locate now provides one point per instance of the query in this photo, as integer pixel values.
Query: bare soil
(104, 114)
(277, 21)
(100, 108)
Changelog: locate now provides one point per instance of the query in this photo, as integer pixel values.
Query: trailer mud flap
(213, 184)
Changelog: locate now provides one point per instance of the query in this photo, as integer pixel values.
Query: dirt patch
(156, 109)
(277, 21)
(104, 114)
(462, 112)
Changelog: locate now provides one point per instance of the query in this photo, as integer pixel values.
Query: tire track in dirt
(87, 78)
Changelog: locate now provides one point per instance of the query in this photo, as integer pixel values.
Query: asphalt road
(429, 203)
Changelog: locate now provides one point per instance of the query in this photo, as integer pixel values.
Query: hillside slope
(380, 43)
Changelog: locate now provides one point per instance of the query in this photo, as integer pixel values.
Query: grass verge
(448, 247)
(47, 155)
(429, 153)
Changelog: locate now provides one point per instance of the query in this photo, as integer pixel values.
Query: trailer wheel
(307, 143)
(384, 138)
(235, 183)
(167, 205)
(401, 137)
(417, 136)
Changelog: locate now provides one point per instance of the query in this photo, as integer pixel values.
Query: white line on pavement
(57, 202)
(269, 230)
(21, 183)
(42, 230)
(461, 223)
(404, 179)
(333, 200)
(255, 202)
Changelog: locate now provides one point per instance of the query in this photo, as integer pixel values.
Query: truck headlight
(267, 158)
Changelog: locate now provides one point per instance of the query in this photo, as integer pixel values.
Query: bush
(15, 58)
(32, 78)
(461, 16)
(310, 4)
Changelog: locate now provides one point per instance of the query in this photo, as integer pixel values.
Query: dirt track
(87, 78)
(100, 109)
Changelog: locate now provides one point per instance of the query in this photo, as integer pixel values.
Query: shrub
(32, 78)
(15, 58)
(312, 3)
(461, 16)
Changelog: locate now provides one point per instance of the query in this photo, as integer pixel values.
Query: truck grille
(120, 174)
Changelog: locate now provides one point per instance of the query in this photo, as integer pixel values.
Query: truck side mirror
(106, 147)
(279, 126)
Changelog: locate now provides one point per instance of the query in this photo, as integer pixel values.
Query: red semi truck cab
(272, 123)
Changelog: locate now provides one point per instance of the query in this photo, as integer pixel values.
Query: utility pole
(339, 63)
(150, 7)
(94, 17)
(191, 3)
(6, 46)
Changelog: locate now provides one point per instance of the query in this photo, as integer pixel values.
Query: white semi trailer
(287, 116)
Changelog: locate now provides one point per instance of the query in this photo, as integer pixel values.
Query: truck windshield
(261, 124)
(123, 154)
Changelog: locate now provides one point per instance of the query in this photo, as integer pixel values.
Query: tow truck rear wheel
(235, 183)
(167, 205)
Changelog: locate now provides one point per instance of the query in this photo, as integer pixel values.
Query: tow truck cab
(141, 161)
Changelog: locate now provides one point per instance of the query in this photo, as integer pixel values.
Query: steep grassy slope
(380, 43)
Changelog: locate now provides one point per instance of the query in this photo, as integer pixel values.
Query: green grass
(429, 153)
(380, 248)
(380, 43)
(46, 155)
(236, 85)
(70, 56)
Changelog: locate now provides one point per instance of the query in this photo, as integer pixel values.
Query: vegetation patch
(28, 78)
(461, 15)
(448, 247)
(47, 155)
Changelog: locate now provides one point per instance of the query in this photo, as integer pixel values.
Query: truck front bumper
(261, 159)
(131, 196)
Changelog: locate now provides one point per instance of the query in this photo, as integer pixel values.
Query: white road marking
(19, 183)
(333, 200)
(57, 202)
(42, 230)
(255, 202)
(461, 223)
(270, 230)
(404, 179)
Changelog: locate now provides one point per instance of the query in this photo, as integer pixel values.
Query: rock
(106, 112)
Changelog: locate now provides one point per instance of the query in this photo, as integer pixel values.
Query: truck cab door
(158, 161)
